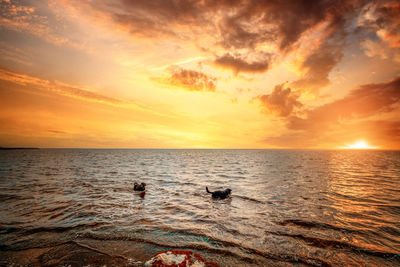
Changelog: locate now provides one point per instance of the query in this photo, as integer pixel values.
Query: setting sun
(361, 144)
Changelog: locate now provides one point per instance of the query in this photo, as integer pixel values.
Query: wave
(283, 192)
(249, 199)
(225, 248)
(309, 225)
(338, 245)
(58, 229)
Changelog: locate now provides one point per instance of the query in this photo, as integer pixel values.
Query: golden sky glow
(200, 74)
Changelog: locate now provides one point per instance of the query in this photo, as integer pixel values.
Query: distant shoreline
(286, 149)
(14, 148)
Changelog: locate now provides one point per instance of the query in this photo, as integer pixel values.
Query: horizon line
(124, 148)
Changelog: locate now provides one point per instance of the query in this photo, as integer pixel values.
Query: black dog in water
(220, 194)
(139, 187)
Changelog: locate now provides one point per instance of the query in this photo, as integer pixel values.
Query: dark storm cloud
(191, 80)
(237, 64)
(281, 101)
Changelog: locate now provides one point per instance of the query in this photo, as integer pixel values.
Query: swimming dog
(139, 187)
(220, 194)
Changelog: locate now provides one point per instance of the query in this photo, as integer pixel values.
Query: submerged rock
(181, 258)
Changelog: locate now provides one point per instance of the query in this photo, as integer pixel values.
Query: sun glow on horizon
(360, 144)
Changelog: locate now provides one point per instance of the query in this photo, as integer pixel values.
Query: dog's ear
(144, 184)
(135, 183)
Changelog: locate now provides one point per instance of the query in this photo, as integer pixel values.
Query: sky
(317, 74)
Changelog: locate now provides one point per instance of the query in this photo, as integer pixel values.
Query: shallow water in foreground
(316, 208)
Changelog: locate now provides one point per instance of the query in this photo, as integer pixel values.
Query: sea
(77, 207)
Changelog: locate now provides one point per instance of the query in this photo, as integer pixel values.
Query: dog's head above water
(139, 187)
(220, 194)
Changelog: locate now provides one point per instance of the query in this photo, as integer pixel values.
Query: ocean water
(288, 207)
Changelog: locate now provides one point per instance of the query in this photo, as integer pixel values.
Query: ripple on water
(317, 208)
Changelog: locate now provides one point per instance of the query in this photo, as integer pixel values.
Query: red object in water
(178, 258)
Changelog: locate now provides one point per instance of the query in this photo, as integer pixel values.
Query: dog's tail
(208, 190)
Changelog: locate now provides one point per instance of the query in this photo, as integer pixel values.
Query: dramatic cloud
(382, 18)
(152, 18)
(254, 22)
(124, 49)
(352, 116)
(238, 64)
(190, 80)
(317, 68)
(281, 101)
(239, 23)
(244, 33)
(363, 102)
(240, 33)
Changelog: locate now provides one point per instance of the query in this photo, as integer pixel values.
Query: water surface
(299, 207)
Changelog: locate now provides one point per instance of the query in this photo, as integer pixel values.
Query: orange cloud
(190, 80)
(237, 24)
(366, 101)
(281, 101)
(126, 42)
(353, 116)
(382, 18)
(317, 67)
(388, 20)
(237, 31)
(237, 64)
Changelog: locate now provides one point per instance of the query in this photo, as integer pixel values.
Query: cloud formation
(247, 35)
(243, 23)
(190, 80)
(366, 101)
(354, 116)
(127, 42)
(282, 101)
(56, 87)
(232, 24)
(21, 17)
(317, 67)
(237, 64)
(383, 19)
